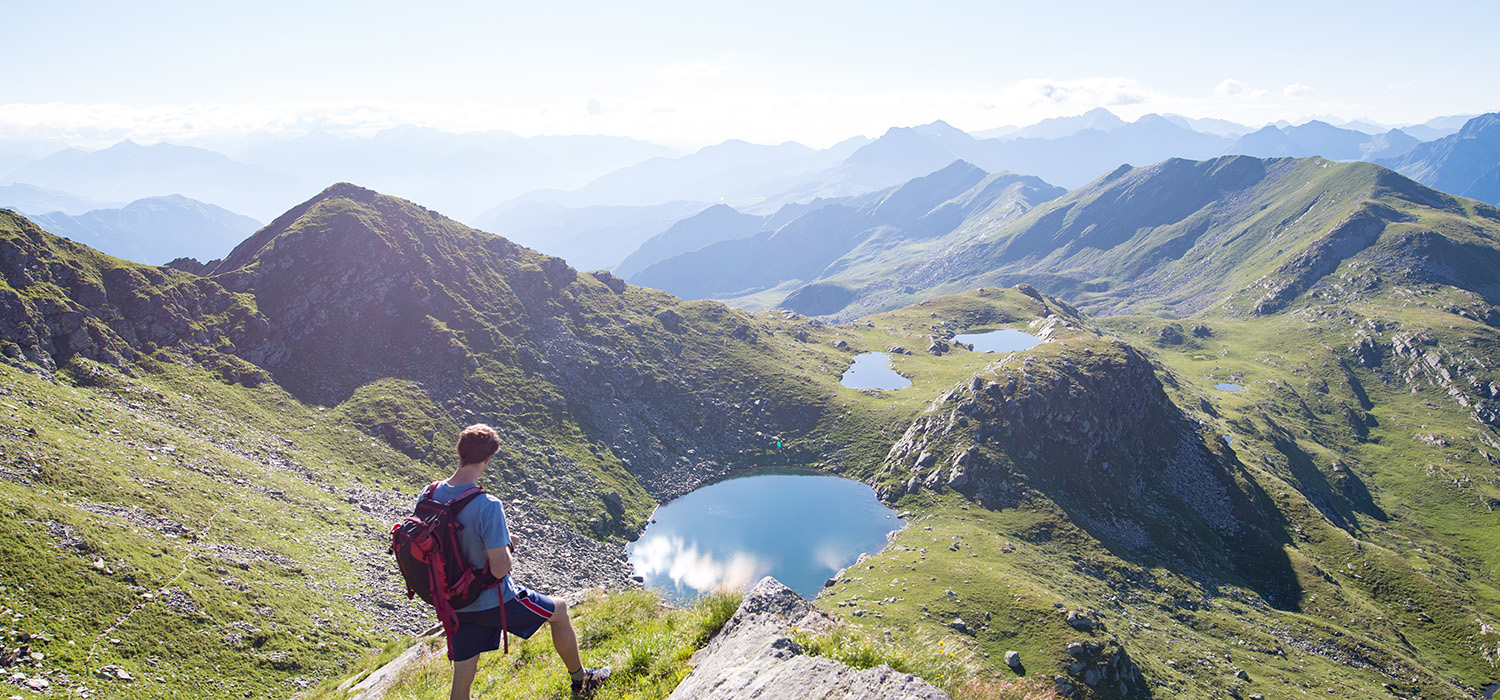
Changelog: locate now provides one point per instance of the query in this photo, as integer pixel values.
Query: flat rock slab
(374, 686)
(755, 657)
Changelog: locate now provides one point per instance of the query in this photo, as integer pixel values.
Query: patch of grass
(947, 663)
(646, 644)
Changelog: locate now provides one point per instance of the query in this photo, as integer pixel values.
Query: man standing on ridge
(486, 540)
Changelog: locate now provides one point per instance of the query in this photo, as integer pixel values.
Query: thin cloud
(1297, 90)
(1234, 88)
(1086, 92)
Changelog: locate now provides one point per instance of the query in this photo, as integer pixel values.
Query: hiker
(486, 540)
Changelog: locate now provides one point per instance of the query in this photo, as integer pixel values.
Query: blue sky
(691, 73)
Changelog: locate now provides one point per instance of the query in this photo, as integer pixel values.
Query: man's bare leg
(463, 678)
(564, 638)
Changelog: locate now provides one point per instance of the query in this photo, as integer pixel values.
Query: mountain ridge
(155, 230)
(1154, 233)
(1466, 163)
(815, 242)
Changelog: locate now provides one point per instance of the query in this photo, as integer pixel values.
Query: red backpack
(432, 561)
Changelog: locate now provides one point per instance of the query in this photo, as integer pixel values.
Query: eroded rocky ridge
(359, 287)
(754, 656)
(1085, 423)
(61, 300)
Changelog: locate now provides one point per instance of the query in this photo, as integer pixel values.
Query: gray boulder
(755, 657)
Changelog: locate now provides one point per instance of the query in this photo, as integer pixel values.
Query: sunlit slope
(1181, 236)
(204, 469)
(847, 236)
(1325, 528)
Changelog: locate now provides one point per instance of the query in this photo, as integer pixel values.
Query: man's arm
(500, 561)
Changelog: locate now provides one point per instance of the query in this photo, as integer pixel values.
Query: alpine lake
(872, 370)
(798, 526)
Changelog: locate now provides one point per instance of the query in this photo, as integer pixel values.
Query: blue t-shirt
(484, 529)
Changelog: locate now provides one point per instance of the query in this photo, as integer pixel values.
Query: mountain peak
(346, 190)
(1097, 118)
(353, 266)
(939, 128)
(1479, 124)
(341, 219)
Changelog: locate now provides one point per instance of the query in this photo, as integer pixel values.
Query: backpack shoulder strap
(464, 499)
(431, 489)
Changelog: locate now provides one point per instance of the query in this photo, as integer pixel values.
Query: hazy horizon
(688, 74)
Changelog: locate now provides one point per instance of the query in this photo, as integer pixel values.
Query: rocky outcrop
(1355, 233)
(1099, 410)
(754, 656)
(1090, 427)
(60, 300)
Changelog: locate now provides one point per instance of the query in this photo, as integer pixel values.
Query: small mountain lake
(872, 370)
(800, 527)
(1003, 340)
(1226, 386)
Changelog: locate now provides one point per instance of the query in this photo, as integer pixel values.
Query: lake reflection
(801, 528)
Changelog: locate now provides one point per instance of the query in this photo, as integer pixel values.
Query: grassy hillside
(195, 534)
(1378, 595)
(214, 460)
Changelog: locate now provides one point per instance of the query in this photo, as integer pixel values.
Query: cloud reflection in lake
(800, 528)
(685, 565)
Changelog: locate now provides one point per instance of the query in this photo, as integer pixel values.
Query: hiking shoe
(592, 679)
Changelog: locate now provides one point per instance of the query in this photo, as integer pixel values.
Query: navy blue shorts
(479, 631)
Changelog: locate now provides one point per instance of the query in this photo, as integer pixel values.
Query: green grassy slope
(238, 512)
(1371, 479)
(214, 461)
(199, 535)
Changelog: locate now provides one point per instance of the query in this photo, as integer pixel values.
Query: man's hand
(514, 541)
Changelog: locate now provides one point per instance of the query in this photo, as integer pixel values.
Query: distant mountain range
(464, 174)
(719, 222)
(590, 238)
(733, 170)
(32, 200)
(850, 234)
(1466, 163)
(486, 177)
(461, 175)
(1180, 236)
(155, 230)
(128, 171)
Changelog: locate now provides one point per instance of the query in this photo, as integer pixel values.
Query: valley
(204, 463)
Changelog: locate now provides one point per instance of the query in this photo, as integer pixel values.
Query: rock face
(358, 287)
(375, 685)
(60, 300)
(1091, 427)
(754, 657)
